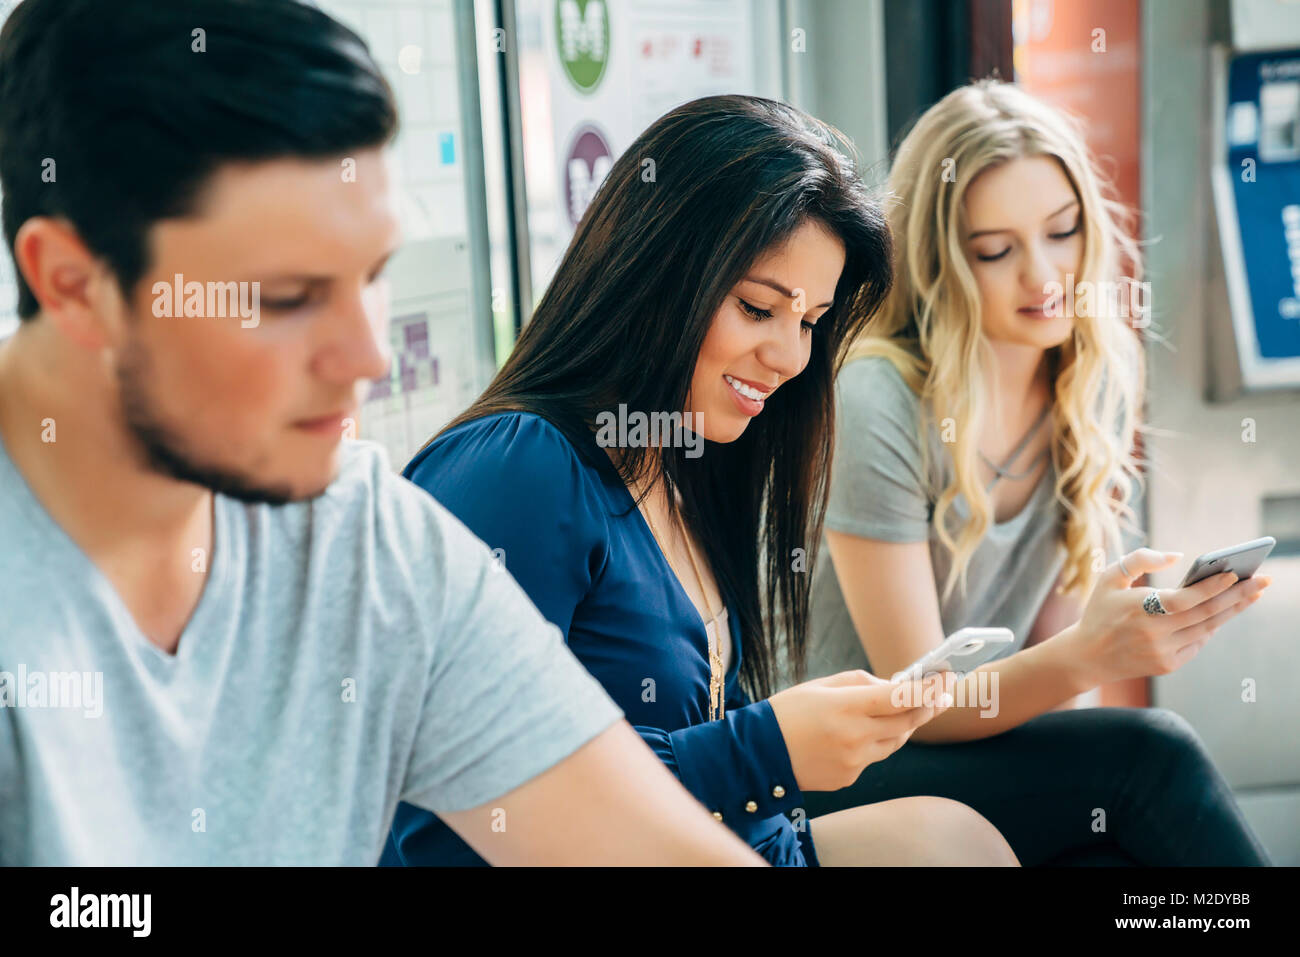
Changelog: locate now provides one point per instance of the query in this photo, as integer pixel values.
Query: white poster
(605, 70)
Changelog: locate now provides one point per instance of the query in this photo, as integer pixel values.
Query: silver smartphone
(1242, 560)
(962, 651)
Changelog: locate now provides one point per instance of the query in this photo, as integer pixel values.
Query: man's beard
(165, 452)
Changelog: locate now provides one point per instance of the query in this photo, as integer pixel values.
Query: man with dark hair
(227, 635)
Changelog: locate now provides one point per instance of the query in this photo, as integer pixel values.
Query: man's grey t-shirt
(347, 652)
(878, 491)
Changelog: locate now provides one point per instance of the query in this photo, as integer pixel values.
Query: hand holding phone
(962, 651)
(835, 726)
(1242, 560)
(1137, 632)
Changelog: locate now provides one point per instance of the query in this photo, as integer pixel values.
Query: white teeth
(747, 391)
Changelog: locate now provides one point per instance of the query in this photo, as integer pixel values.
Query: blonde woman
(984, 475)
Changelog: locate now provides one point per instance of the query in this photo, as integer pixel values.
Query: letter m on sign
(582, 31)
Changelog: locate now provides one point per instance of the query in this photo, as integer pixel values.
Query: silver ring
(1127, 573)
(1152, 605)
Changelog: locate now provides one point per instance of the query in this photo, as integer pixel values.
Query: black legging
(1044, 783)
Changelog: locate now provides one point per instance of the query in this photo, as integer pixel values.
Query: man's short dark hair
(114, 114)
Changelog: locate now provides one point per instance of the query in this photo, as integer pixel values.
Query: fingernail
(945, 700)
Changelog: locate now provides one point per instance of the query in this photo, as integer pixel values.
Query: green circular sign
(582, 40)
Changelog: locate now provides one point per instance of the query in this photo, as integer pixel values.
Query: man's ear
(66, 278)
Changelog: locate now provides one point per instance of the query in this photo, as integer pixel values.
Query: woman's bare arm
(890, 592)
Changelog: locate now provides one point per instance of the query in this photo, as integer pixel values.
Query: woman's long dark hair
(658, 251)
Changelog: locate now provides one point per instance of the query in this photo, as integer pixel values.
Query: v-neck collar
(68, 555)
(605, 464)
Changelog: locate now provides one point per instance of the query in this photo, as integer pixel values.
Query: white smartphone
(962, 651)
(1242, 560)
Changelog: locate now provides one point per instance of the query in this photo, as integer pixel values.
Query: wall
(1207, 483)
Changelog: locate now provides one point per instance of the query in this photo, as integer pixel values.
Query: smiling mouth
(748, 391)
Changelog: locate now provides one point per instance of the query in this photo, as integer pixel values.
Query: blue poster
(1262, 138)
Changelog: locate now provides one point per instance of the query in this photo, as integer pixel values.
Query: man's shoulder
(364, 465)
(369, 520)
(367, 489)
(374, 547)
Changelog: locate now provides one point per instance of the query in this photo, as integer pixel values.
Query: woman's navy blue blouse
(571, 535)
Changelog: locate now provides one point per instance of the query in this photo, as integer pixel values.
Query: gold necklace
(717, 696)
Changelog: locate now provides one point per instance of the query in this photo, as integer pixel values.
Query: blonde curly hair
(930, 325)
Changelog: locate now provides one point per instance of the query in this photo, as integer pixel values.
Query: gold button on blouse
(778, 792)
(717, 815)
(751, 806)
